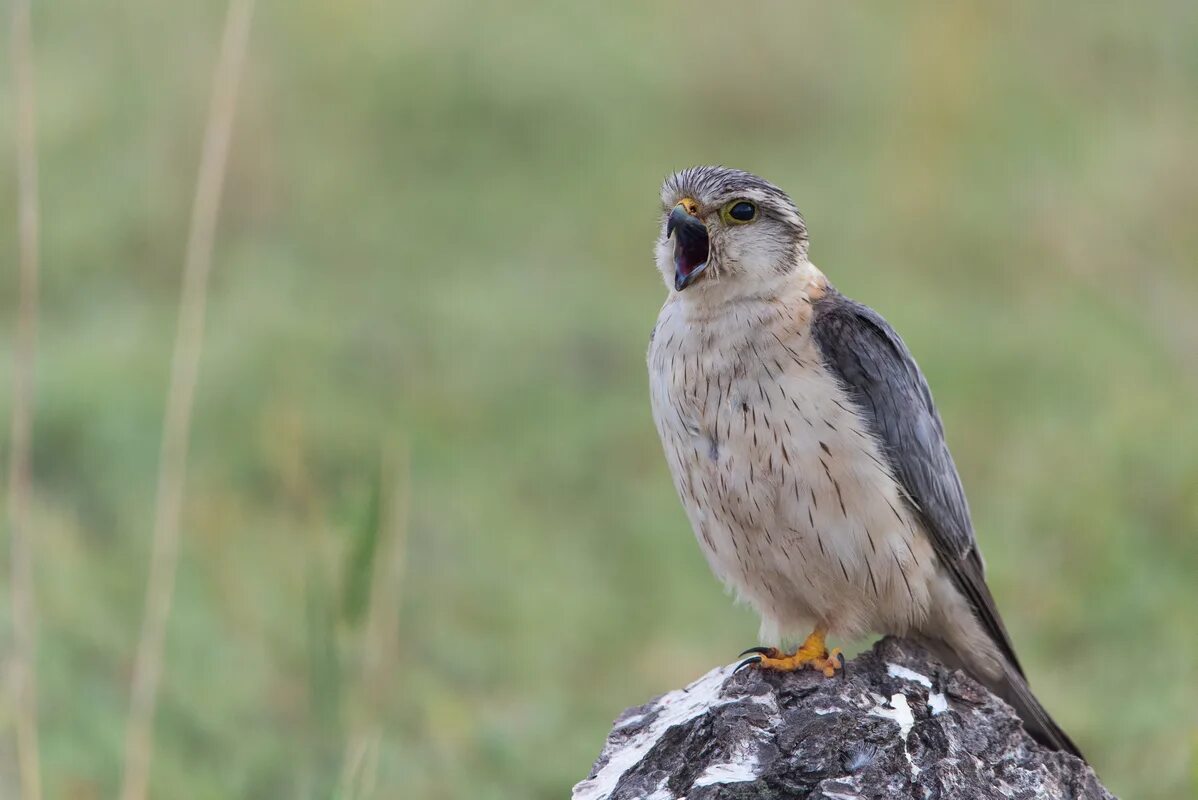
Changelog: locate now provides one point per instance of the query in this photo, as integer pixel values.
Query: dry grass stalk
(24, 674)
(185, 363)
(381, 645)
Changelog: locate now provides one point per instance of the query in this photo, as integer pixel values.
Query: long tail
(1036, 721)
(1012, 687)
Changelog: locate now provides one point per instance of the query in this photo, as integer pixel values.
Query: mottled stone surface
(896, 724)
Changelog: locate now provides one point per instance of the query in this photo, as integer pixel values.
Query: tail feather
(1012, 687)
(1036, 721)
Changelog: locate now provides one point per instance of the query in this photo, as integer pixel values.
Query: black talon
(843, 672)
(762, 650)
(746, 662)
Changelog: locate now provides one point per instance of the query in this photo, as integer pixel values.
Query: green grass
(435, 240)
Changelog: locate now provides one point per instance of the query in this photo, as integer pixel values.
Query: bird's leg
(812, 654)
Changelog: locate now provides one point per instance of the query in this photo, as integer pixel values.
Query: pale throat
(791, 295)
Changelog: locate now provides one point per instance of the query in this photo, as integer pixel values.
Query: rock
(894, 724)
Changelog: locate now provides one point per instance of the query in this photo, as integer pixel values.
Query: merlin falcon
(806, 449)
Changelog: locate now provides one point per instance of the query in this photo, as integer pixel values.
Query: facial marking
(753, 230)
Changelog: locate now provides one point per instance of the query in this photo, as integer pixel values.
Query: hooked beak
(690, 245)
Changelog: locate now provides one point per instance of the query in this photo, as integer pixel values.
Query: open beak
(690, 245)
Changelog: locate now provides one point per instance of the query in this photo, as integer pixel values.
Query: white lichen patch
(662, 792)
(846, 787)
(744, 765)
(625, 723)
(675, 708)
(937, 703)
(899, 671)
(733, 772)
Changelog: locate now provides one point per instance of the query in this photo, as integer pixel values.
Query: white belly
(789, 497)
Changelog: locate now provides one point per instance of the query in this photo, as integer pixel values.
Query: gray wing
(890, 392)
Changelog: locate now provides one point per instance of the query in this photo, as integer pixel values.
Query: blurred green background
(422, 412)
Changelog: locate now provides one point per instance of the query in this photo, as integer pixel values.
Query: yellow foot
(813, 654)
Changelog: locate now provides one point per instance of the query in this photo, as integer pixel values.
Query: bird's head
(727, 228)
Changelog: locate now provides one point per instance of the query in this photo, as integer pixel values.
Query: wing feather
(861, 349)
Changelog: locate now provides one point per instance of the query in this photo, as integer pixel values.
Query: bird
(806, 449)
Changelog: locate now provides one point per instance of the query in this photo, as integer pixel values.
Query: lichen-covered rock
(894, 724)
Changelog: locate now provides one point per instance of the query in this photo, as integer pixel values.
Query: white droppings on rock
(675, 708)
(899, 671)
(937, 702)
(900, 713)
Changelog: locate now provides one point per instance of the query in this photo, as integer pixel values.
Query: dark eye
(744, 211)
